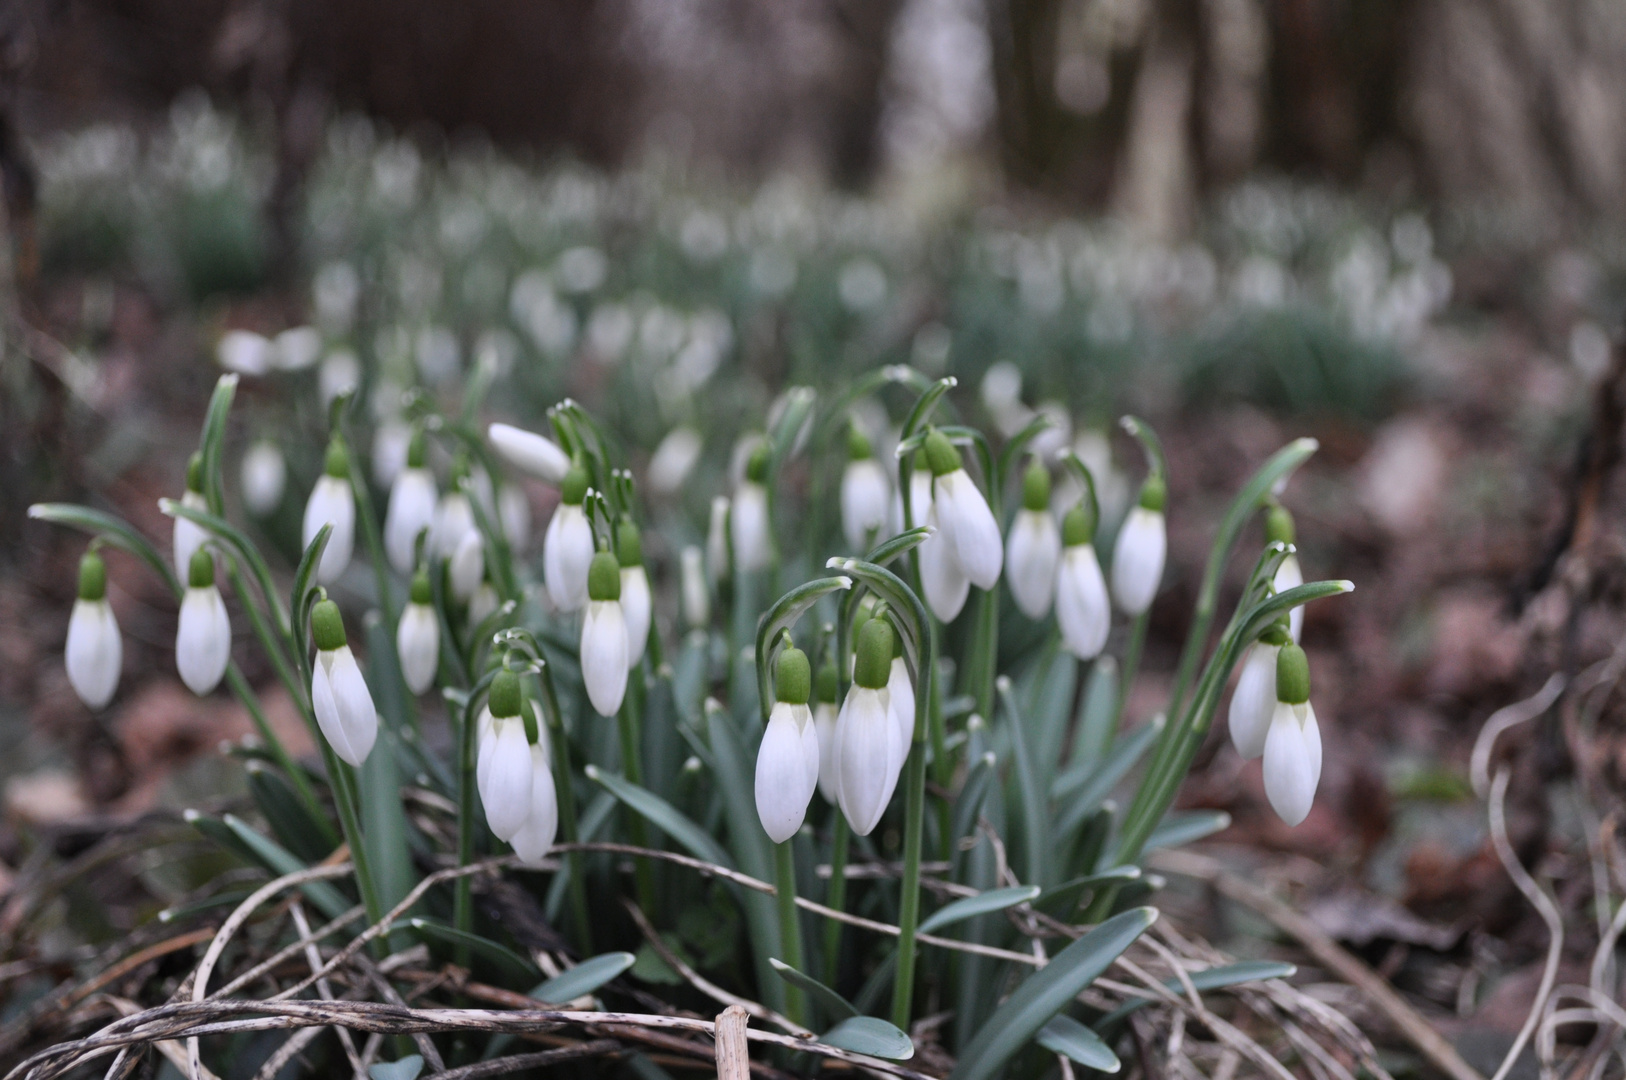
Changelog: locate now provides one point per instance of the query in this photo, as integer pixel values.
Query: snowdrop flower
(865, 494)
(604, 636)
(749, 528)
(920, 496)
(1137, 558)
(467, 567)
(636, 602)
(411, 509)
(189, 535)
(1293, 744)
(244, 352)
(788, 760)
(454, 517)
(535, 837)
(900, 692)
(944, 583)
(530, 453)
(514, 514)
(483, 603)
(203, 638)
(866, 744)
(417, 638)
(825, 711)
(332, 503)
(95, 652)
(696, 597)
(340, 374)
(297, 348)
(1253, 702)
(1082, 609)
(567, 546)
(264, 476)
(674, 459)
(392, 440)
(1033, 548)
(963, 516)
(1289, 575)
(717, 555)
(344, 706)
(504, 772)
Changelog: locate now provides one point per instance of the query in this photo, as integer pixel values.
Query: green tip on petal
(829, 684)
(574, 488)
(1078, 527)
(506, 697)
(1279, 525)
(337, 462)
(756, 467)
(327, 626)
(1154, 493)
(941, 456)
(92, 577)
(1036, 487)
(629, 544)
(604, 577)
(1292, 675)
(421, 592)
(200, 573)
(874, 654)
(794, 679)
(1278, 632)
(417, 449)
(194, 472)
(858, 447)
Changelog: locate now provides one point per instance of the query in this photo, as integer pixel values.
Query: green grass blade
(584, 978)
(662, 814)
(982, 904)
(514, 968)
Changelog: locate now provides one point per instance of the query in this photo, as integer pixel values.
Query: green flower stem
(790, 925)
(371, 537)
(296, 775)
(269, 641)
(627, 721)
(983, 654)
(569, 830)
(345, 796)
(836, 897)
(903, 988)
(1132, 652)
(462, 895)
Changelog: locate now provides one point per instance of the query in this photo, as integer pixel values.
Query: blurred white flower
(297, 348)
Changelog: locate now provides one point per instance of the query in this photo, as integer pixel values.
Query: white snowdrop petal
(1083, 610)
(900, 693)
(514, 512)
(748, 527)
(264, 475)
(868, 765)
(467, 566)
(188, 535)
(1289, 575)
(202, 640)
(1137, 560)
(454, 519)
(824, 727)
(485, 732)
(1254, 701)
(781, 775)
(945, 584)
(920, 500)
(604, 655)
(636, 608)
(536, 836)
(567, 549)
(94, 653)
(1032, 552)
(417, 641)
(1292, 766)
(411, 510)
(969, 526)
(507, 791)
(530, 452)
(811, 756)
(865, 502)
(331, 503)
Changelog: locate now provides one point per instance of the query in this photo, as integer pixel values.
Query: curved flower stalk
(865, 494)
(339, 694)
(567, 546)
(189, 536)
(637, 603)
(604, 637)
(1293, 746)
(411, 508)
(203, 634)
(1253, 702)
(749, 531)
(95, 651)
(787, 770)
(1033, 548)
(1279, 529)
(417, 637)
(332, 503)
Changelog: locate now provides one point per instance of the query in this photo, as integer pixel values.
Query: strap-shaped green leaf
(1065, 1036)
(1177, 829)
(584, 978)
(662, 814)
(112, 530)
(407, 1068)
(981, 904)
(833, 1003)
(1094, 785)
(870, 1035)
(1214, 978)
(514, 967)
(1061, 901)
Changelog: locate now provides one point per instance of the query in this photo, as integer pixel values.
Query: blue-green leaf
(1061, 901)
(514, 967)
(1093, 785)
(832, 1002)
(1177, 829)
(584, 978)
(869, 1035)
(981, 904)
(280, 860)
(1214, 978)
(1065, 1036)
(407, 1068)
(662, 814)
(1044, 993)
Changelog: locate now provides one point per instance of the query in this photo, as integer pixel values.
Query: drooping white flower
(1033, 548)
(749, 529)
(1292, 749)
(900, 692)
(1142, 545)
(297, 348)
(95, 651)
(412, 509)
(787, 770)
(696, 596)
(189, 536)
(340, 374)
(941, 578)
(604, 637)
(1083, 610)
(505, 778)
(866, 742)
(203, 635)
(530, 453)
(567, 546)
(824, 729)
(244, 352)
(467, 566)
(535, 838)
(483, 603)
(454, 519)
(264, 475)
(674, 459)
(637, 605)
(332, 503)
(1253, 702)
(339, 694)
(865, 494)
(392, 440)
(1289, 575)
(963, 516)
(417, 637)
(514, 514)
(920, 497)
